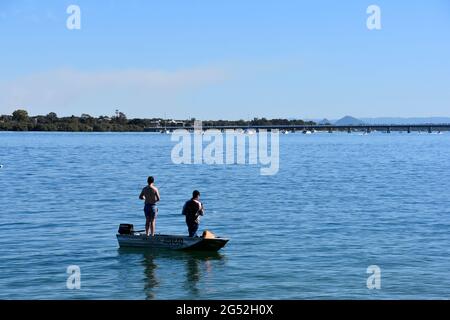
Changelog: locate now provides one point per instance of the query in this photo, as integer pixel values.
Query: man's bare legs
(147, 225)
(150, 223)
(153, 222)
(153, 227)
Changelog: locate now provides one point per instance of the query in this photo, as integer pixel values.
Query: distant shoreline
(21, 121)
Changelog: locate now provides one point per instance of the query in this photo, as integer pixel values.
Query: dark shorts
(150, 211)
(192, 225)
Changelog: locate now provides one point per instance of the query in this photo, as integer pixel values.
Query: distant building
(154, 124)
(85, 116)
(175, 123)
(104, 119)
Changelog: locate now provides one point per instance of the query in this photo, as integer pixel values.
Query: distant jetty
(308, 129)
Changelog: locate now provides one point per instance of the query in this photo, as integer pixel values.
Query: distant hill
(323, 122)
(388, 120)
(348, 120)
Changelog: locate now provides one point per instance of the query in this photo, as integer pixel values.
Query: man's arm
(141, 196)
(201, 211)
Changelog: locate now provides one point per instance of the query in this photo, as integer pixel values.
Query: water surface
(339, 203)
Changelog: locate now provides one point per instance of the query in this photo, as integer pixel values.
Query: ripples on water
(338, 204)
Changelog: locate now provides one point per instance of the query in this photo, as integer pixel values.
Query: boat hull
(172, 242)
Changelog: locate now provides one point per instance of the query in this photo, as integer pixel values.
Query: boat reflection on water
(152, 281)
(198, 265)
(159, 268)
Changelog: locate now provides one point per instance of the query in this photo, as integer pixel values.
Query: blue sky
(226, 59)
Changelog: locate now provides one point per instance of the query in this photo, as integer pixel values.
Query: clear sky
(226, 59)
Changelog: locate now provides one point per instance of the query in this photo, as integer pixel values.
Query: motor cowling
(126, 228)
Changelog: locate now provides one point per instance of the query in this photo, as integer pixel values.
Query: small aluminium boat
(127, 237)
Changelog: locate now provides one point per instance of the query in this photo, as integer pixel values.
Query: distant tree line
(21, 121)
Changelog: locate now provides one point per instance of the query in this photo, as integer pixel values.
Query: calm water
(339, 203)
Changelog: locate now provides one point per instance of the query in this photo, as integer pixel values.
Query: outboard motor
(126, 228)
